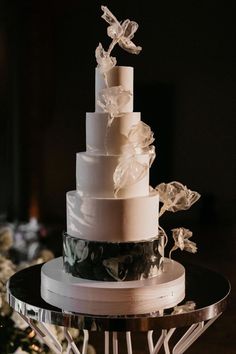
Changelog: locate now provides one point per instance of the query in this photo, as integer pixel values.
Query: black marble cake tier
(112, 261)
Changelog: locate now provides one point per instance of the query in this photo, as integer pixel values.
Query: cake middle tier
(110, 219)
(94, 176)
(102, 138)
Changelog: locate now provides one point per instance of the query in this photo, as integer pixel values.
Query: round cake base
(137, 297)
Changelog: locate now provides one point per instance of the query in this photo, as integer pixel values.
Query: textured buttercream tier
(117, 76)
(117, 220)
(100, 139)
(112, 298)
(94, 176)
(113, 261)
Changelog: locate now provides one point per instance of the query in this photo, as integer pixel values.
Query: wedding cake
(113, 250)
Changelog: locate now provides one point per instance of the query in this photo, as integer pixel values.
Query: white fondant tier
(112, 298)
(118, 220)
(94, 176)
(100, 139)
(117, 76)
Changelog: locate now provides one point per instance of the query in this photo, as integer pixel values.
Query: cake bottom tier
(113, 261)
(83, 296)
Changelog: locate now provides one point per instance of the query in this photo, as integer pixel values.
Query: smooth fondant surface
(94, 176)
(117, 76)
(113, 298)
(101, 140)
(118, 220)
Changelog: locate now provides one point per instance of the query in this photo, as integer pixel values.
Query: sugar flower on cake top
(122, 34)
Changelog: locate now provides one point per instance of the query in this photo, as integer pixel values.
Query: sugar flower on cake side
(175, 197)
(112, 100)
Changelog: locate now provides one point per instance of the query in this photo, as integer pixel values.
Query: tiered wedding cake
(113, 260)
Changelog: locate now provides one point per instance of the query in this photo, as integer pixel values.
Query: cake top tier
(118, 82)
(115, 83)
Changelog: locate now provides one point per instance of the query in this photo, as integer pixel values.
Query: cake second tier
(94, 175)
(111, 219)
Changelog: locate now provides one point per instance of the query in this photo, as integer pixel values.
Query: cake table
(207, 289)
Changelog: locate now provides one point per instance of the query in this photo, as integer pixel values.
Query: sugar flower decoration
(129, 169)
(187, 307)
(181, 238)
(121, 32)
(128, 172)
(175, 196)
(104, 60)
(140, 135)
(113, 99)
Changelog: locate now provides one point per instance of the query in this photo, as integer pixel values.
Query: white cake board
(112, 298)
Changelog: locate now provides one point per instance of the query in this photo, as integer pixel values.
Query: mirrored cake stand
(207, 289)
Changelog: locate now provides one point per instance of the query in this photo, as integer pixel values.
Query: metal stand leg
(190, 336)
(166, 340)
(44, 333)
(115, 343)
(106, 337)
(129, 343)
(159, 343)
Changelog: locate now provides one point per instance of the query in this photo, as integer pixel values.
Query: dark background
(184, 87)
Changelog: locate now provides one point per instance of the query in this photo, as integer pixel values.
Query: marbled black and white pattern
(112, 261)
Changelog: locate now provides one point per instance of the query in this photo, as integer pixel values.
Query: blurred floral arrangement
(15, 335)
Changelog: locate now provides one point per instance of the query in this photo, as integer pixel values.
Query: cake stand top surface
(208, 289)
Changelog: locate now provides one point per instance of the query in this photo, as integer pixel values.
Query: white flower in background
(18, 321)
(7, 269)
(44, 256)
(187, 307)
(20, 351)
(175, 196)
(6, 238)
(104, 60)
(181, 238)
(113, 99)
(121, 32)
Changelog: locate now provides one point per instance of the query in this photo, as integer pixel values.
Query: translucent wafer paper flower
(113, 99)
(128, 172)
(140, 135)
(121, 32)
(104, 60)
(181, 238)
(175, 196)
(187, 307)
